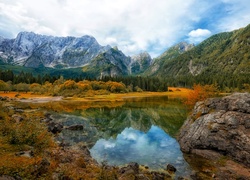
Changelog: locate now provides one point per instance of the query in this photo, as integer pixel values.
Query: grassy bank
(172, 93)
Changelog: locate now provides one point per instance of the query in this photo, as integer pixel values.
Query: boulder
(17, 118)
(3, 98)
(131, 168)
(55, 127)
(157, 176)
(46, 120)
(29, 153)
(220, 125)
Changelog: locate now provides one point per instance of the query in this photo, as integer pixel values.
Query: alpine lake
(135, 129)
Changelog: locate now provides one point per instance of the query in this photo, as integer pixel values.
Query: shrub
(26, 135)
(200, 93)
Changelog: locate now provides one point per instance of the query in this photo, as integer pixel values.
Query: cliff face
(140, 63)
(220, 125)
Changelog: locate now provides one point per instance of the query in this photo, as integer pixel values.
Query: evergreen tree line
(224, 82)
(133, 83)
(153, 84)
(27, 78)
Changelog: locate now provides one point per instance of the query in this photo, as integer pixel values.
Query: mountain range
(35, 51)
(223, 58)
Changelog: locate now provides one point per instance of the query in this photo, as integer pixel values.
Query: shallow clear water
(138, 130)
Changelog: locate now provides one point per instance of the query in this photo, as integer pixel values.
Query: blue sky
(132, 25)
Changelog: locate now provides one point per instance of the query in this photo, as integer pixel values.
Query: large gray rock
(221, 125)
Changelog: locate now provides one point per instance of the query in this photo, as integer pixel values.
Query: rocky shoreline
(70, 162)
(219, 130)
(215, 139)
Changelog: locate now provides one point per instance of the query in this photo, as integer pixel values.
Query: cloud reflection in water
(155, 149)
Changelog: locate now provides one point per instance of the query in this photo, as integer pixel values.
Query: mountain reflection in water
(139, 130)
(154, 149)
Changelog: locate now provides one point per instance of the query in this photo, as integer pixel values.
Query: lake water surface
(138, 130)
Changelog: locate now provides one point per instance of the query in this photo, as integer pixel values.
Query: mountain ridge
(25, 49)
(34, 50)
(169, 54)
(222, 59)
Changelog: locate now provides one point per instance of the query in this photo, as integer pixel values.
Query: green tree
(3, 85)
(36, 88)
(22, 87)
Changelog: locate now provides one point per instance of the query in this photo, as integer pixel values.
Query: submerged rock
(219, 126)
(171, 168)
(75, 127)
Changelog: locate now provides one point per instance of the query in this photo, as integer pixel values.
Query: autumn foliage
(200, 93)
(18, 135)
(70, 88)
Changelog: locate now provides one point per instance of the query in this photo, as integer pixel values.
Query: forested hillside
(223, 59)
(171, 53)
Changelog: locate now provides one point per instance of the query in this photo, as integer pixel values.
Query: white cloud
(199, 33)
(132, 25)
(129, 134)
(108, 144)
(111, 41)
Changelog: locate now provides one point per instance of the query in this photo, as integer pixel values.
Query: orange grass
(173, 92)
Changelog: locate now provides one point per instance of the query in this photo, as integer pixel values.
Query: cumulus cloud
(133, 26)
(196, 36)
(199, 33)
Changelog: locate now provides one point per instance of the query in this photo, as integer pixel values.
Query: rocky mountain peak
(184, 46)
(142, 56)
(32, 50)
(140, 62)
(176, 50)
